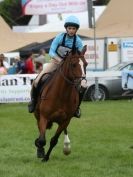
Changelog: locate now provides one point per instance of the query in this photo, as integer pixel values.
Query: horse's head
(74, 65)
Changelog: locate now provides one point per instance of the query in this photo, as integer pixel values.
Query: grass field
(100, 142)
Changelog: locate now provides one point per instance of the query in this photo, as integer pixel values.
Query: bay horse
(58, 102)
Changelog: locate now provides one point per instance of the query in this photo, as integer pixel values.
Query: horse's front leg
(67, 146)
(40, 142)
(54, 139)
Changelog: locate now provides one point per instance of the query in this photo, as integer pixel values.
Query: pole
(96, 78)
(90, 5)
(94, 27)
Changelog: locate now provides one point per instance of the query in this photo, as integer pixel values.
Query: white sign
(98, 60)
(127, 49)
(112, 52)
(38, 7)
(15, 88)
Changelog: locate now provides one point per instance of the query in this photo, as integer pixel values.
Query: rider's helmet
(72, 21)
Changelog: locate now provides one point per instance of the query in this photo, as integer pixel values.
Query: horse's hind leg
(67, 146)
(40, 142)
(54, 139)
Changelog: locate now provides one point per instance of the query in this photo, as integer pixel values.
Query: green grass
(100, 142)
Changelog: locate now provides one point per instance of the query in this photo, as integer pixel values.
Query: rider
(62, 44)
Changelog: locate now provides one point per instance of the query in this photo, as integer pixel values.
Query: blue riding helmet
(72, 21)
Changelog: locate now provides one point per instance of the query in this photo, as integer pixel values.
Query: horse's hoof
(67, 148)
(66, 151)
(45, 159)
(40, 153)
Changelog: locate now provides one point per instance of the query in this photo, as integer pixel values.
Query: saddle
(44, 81)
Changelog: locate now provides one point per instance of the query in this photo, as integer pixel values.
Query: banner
(41, 7)
(127, 49)
(16, 88)
(98, 60)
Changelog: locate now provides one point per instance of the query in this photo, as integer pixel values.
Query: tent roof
(117, 12)
(116, 20)
(10, 41)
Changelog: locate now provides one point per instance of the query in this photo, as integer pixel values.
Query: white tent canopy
(116, 20)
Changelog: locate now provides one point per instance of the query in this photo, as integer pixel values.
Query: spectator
(12, 69)
(42, 57)
(3, 70)
(38, 67)
(29, 64)
(20, 65)
(5, 63)
(40, 60)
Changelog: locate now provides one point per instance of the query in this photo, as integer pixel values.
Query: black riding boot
(32, 103)
(77, 113)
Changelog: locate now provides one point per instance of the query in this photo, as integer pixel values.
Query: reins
(66, 79)
(72, 82)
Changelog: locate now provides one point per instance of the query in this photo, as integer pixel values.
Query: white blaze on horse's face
(82, 67)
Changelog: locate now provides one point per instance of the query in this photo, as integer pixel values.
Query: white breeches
(47, 68)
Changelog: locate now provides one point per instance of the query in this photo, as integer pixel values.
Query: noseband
(76, 80)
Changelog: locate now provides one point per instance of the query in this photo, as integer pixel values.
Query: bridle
(76, 80)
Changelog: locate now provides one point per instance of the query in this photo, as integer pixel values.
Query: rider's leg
(81, 95)
(32, 103)
(35, 91)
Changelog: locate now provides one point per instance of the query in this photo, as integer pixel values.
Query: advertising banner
(127, 49)
(15, 88)
(98, 60)
(41, 7)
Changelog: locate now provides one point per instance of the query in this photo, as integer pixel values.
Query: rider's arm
(79, 43)
(54, 45)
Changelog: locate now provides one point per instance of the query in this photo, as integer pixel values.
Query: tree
(101, 2)
(11, 11)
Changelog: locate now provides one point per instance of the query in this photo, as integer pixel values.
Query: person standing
(3, 69)
(40, 60)
(5, 63)
(29, 65)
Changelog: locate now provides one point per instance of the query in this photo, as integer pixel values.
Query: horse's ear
(84, 49)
